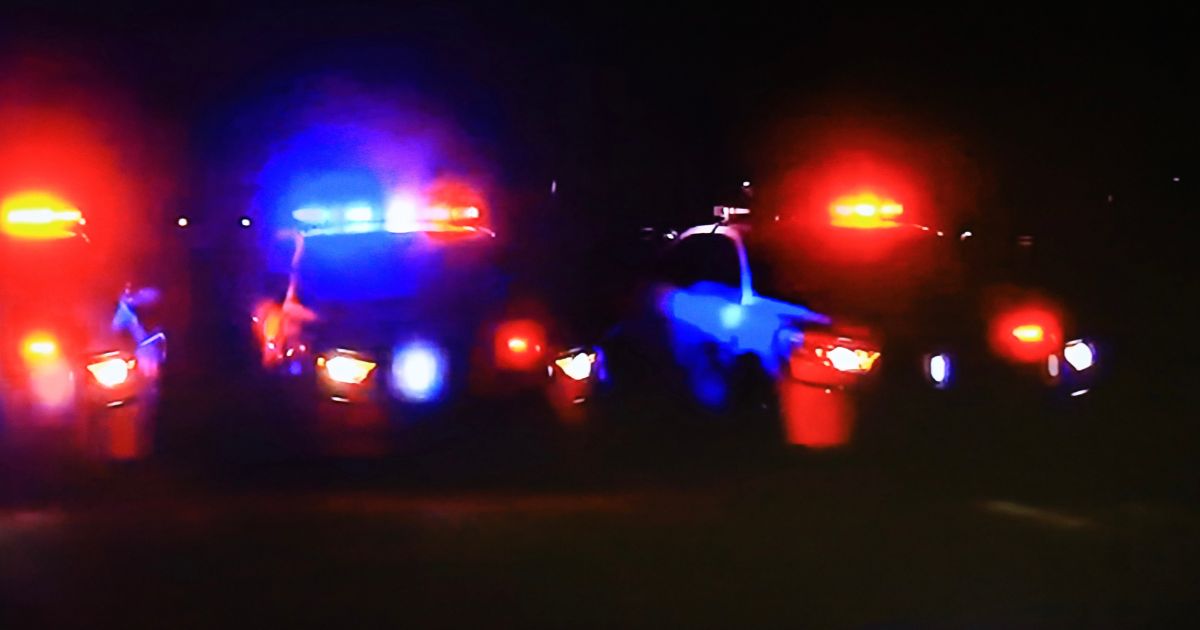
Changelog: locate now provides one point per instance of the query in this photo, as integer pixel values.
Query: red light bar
(39, 215)
(864, 211)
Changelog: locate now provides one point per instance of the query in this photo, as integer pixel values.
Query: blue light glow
(360, 213)
(939, 369)
(418, 372)
(312, 215)
(710, 327)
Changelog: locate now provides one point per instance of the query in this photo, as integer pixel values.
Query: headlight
(111, 371)
(342, 368)
(937, 367)
(1080, 354)
(577, 365)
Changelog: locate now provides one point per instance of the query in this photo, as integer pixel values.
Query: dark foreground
(705, 533)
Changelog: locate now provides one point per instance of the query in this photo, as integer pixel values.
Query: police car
(78, 369)
(815, 321)
(405, 308)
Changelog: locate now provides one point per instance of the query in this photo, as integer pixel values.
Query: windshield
(856, 273)
(385, 266)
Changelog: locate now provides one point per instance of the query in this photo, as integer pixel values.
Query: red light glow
(519, 345)
(1026, 334)
(864, 210)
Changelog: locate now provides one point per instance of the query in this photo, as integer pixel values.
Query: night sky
(645, 111)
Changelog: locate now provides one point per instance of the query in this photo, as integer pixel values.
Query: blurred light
(110, 372)
(732, 315)
(1029, 333)
(39, 348)
(182, 222)
(577, 366)
(417, 372)
(519, 345)
(746, 184)
(401, 215)
(346, 369)
(846, 360)
(245, 221)
(1052, 365)
(311, 215)
(965, 235)
(39, 215)
(939, 369)
(470, 212)
(941, 233)
(1079, 392)
(1079, 354)
(359, 214)
(864, 211)
(724, 212)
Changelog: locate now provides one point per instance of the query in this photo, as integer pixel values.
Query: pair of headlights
(1080, 354)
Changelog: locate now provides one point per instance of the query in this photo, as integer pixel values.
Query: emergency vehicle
(407, 307)
(816, 321)
(79, 371)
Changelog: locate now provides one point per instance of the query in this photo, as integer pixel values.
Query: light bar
(403, 214)
(864, 211)
(38, 348)
(1029, 333)
(39, 215)
(724, 212)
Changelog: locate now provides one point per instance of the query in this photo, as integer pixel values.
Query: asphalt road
(705, 533)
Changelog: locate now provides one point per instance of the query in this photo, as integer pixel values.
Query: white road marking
(1037, 515)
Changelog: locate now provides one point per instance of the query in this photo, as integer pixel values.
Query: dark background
(1072, 123)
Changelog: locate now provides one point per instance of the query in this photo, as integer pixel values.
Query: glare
(39, 348)
(1079, 354)
(110, 372)
(965, 235)
(731, 316)
(311, 215)
(359, 214)
(39, 215)
(518, 344)
(1029, 333)
(43, 348)
(1079, 392)
(349, 370)
(1052, 365)
(746, 183)
(401, 215)
(844, 359)
(182, 222)
(864, 211)
(939, 368)
(417, 372)
(577, 366)
(245, 222)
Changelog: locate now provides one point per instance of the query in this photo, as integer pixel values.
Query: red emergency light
(864, 211)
